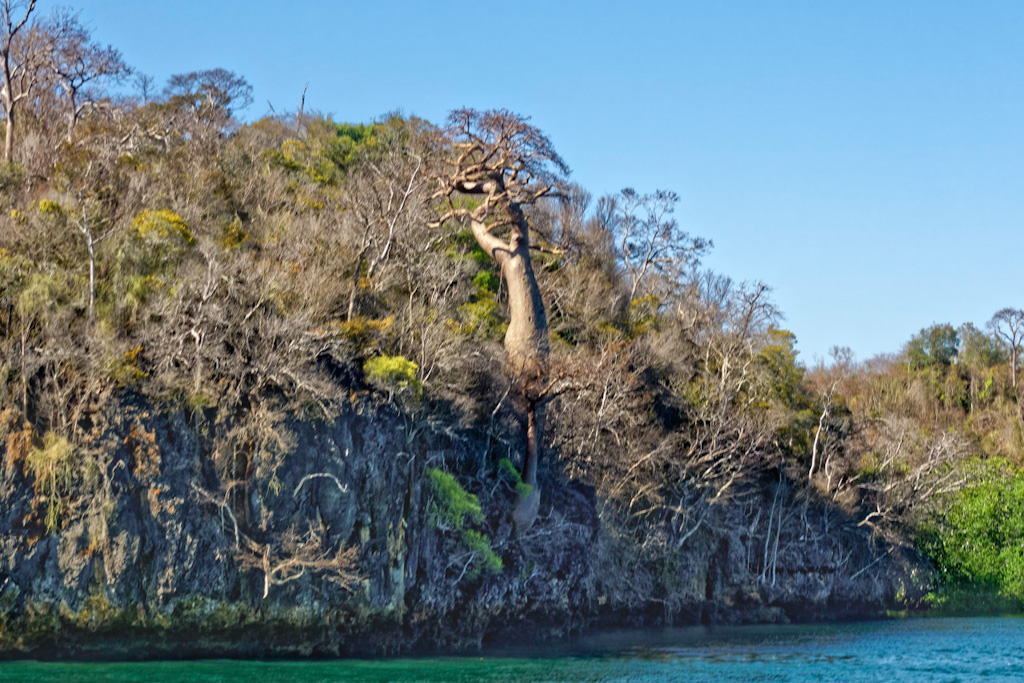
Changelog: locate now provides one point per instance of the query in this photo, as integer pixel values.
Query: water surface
(975, 649)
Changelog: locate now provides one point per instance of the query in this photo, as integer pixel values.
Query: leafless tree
(386, 196)
(296, 555)
(1008, 324)
(649, 237)
(910, 470)
(832, 377)
(144, 83)
(79, 65)
(18, 56)
(289, 557)
(504, 163)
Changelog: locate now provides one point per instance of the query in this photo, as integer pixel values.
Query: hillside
(296, 385)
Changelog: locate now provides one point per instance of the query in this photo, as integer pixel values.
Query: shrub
(452, 503)
(43, 293)
(52, 466)
(976, 547)
(486, 559)
(481, 317)
(12, 177)
(154, 246)
(160, 227)
(52, 210)
(359, 334)
(125, 370)
(233, 235)
(393, 373)
(451, 509)
(643, 315)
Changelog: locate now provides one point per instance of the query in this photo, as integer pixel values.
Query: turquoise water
(974, 649)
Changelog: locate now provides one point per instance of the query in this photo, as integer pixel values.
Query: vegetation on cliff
(158, 254)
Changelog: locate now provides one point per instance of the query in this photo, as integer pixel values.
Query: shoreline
(168, 645)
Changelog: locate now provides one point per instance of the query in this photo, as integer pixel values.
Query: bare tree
(17, 63)
(842, 358)
(292, 555)
(385, 199)
(911, 468)
(504, 163)
(144, 84)
(79, 65)
(1008, 324)
(649, 238)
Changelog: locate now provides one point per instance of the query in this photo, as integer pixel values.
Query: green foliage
(393, 373)
(464, 244)
(52, 467)
(330, 149)
(976, 545)
(785, 375)
(452, 505)
(486, 559)
(481, 317)
(933, 347)
(155, 244)
(522, 488)
(487, 281)
(985, 393)
(977, 349)
(350, 140)
(953, 392)
(44, 293)
(125, 370)
(643, 315)
(452, 509)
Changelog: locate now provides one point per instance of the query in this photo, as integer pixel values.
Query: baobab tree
(505, 164)
(1008, 324)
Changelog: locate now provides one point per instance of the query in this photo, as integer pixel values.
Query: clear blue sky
(865, 158)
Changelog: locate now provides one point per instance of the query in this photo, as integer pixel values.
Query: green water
(974, 649)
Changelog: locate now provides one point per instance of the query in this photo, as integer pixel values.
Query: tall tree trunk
(92, 276)
(8, 102)
(528, 505)
(9, 135)
(72, 122)
(526, 344)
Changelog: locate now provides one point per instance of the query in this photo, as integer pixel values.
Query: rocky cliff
(171, 535)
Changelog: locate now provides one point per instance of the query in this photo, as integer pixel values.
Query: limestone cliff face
(144, 561)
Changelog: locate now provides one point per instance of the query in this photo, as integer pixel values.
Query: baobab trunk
(526, 345)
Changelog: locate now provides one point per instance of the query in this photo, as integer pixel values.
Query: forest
(405, 377)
